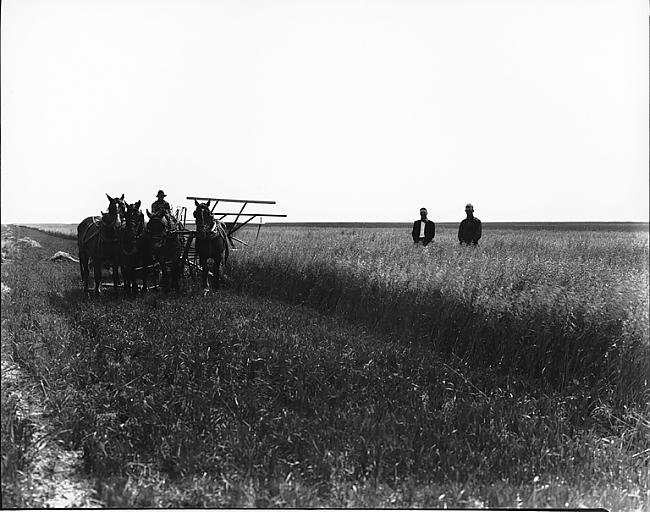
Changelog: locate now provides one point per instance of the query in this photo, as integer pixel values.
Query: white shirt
(422, 225)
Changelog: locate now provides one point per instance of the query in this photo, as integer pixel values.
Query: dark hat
(160, 193)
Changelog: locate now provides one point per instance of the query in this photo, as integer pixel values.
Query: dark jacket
(469, 231)
(160, 206)
(429, 231)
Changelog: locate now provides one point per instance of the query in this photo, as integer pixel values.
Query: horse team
(121, 238)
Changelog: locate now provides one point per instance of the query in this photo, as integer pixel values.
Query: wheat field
(344, 367)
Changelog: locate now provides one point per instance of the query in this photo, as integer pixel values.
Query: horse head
(121, 206)
(132, 228)
(134, 218)
(204, 219)
(157, 229)
(110, 223)
(117, 206)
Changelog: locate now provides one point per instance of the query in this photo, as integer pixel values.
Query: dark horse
(134, 249)
(164, 247)
(98, 240)
(211, 242)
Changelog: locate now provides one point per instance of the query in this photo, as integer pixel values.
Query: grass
(507, 376)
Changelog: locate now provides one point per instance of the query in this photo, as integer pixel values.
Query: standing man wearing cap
(424, 230)
(469, 231)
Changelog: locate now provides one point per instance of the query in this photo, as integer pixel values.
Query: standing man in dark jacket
(469, 231)
(424, 229)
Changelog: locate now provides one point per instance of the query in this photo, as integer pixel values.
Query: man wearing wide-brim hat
(161, 206)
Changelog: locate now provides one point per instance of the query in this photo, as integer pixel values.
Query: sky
(362, 111)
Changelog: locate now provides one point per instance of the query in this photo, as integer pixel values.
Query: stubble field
(343, 367)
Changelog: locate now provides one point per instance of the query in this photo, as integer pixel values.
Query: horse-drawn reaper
(165, 243)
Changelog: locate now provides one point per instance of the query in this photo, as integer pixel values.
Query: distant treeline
(551, 226)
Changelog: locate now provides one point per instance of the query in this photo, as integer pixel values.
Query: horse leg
(175, 275)
(125, 274)
(170, 276)
(164, 277)
(216, 270)
(224, 258)
(129, 281)
(133, 280)
(85, 271)
(143, 273)
(81, 266)
(204, 273)
(142, 262)
(133, 277)
(116, 276)
(177, 269)
(127, 277)
(157, 271)
(97, 267)
(86, 277)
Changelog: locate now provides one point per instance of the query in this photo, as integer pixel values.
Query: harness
(216, 228)
(98, 223)
(219, 228)
(138, 233)
(87, 236)
(116, 225)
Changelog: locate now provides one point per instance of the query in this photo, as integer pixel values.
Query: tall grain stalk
(561, 306)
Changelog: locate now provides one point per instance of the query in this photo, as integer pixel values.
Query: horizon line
(395, 222)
